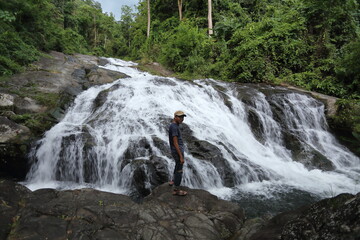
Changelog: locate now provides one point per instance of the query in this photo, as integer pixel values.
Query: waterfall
(238, 138)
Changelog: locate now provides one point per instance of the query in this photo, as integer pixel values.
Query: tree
(211, 32)
(149, 19)
(180, 9)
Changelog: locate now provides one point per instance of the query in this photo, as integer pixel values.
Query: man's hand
(176, 145)
(182, 159)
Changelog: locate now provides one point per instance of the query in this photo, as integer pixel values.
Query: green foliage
(15, 53)
(347, 67)
(302, 42)
(265, 49)
(308, 43)
(6, 16)
(72, 42)
(183, 50)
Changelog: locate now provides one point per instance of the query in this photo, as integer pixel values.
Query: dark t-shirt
(174, 130)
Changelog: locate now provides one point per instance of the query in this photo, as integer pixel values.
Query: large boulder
(11, 200)
(92, 214)
(336, 218)
(329, 219)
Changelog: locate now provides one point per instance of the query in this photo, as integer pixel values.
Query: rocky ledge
(92, 214)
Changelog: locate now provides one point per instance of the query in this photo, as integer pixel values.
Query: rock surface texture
(92, 214)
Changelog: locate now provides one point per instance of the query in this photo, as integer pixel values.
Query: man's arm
(176, 145)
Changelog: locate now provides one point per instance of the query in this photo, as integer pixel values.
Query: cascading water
(239, 139)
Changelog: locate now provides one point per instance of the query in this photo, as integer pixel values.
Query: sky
(114, 6)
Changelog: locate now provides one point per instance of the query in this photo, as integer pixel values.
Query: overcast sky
(114, 6)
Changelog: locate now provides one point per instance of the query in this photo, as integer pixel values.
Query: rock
(12, 132)
(250, 227)
(269, 229)
(156, 69)
(92, 214)
(103, 62)
(199, 215)
(11, 200)
(14, 146)
(335, 218)
(6, 102)
(97, 76)
(306, 154)
(28, 105)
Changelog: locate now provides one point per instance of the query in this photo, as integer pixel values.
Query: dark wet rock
(14, 146)
(271, 228)
(208, 152)
(328, 219)
(149, 170)
(13, 160)
(335, 218)
(92, 214)
(147, 175)
(255, 123)
(101, 98)
(103, 62)
(11, 201)
(305, 154)
(97, 76)
(250, 227)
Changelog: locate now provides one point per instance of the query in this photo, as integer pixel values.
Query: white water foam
(133, 110)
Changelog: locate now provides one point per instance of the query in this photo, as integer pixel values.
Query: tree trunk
(149, 18)
(180, 9)
(95, 32)
(211, 32)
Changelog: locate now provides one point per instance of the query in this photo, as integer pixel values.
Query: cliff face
(33, 101)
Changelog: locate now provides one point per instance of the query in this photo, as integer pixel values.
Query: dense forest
(307, 43)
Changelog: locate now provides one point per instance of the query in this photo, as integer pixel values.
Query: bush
(15, 53)
(262, 51)
(182, 50)
(347, 67)
(72, 42)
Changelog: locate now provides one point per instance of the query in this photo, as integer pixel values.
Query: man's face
(179, 119)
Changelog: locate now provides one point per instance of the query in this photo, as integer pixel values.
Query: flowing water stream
(268, 141)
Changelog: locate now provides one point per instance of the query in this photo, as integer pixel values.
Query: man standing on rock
(177, 151)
